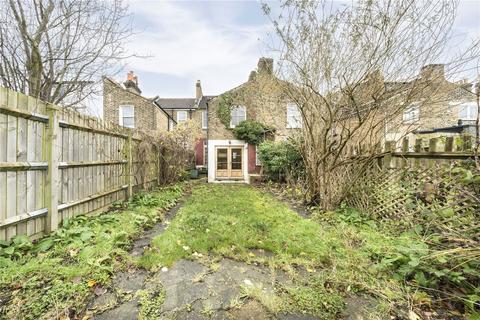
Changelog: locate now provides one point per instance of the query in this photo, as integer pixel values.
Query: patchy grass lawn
(56, 276)
(339, 255)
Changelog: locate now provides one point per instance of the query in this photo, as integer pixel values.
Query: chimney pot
(132, 83)
(130, 76)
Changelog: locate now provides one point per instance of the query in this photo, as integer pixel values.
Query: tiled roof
(176, 103)
(203, 102)
(183, 103)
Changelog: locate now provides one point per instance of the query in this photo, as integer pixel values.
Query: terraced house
(437, 107)
(440, 108)
(228, 159)
(195, 109)
(262, 99)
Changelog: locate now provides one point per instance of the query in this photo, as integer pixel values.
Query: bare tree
(58, 49)
(353, 70)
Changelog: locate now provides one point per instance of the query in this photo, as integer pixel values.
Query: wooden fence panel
(92, 160)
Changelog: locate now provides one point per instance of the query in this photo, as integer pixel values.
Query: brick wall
(147, 116)
(264, 100)
(194, 115)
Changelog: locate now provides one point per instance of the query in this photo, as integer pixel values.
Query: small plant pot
(194, 174)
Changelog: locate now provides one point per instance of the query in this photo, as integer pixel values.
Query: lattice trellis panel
(428, 194)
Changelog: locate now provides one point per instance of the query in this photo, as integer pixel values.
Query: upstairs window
(237, 115)
(294, 117)
(181, 116)
(126, 116)
(412, 113)
(468, 111)
(204, 119)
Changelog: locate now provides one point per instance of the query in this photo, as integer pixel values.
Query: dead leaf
(77, 279)
(99, 290)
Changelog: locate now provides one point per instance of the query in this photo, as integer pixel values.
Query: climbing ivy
(252, 132)
(225, 106)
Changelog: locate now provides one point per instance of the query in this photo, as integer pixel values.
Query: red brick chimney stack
(132, 83)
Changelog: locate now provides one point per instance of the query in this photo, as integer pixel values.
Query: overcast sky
(218, 42)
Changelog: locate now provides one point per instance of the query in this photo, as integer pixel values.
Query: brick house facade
(263, 99)
(126, 102)
(193, 109)
(427, 106)
(440, 108)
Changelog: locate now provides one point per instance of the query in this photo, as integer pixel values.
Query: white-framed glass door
(229, 162)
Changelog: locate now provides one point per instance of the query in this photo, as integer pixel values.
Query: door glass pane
(222, 159)
(236, 158)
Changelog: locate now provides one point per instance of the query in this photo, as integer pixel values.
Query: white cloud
(219, 43)
(194, 44)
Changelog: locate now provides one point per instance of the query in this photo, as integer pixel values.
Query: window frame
(298, 122)
(235, 108)
(204, 119)
(415, 108)
(471, 111)
(121, 117)
(182, 112)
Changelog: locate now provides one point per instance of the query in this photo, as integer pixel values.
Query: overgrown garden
(56, 277)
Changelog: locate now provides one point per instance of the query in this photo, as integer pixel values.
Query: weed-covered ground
(230, 252)
(55, 277)
(330, 261)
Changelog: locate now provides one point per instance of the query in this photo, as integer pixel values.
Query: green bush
(281, 160)
(253, 132)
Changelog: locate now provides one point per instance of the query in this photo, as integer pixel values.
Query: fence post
(52, 154)
(449, 144)
(467, 143)
(389, 147)
(129, 168)
(417, 148)
(432, 148)
(405, 146)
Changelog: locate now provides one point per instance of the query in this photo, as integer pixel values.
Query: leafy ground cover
(330, 257)
(56, 276)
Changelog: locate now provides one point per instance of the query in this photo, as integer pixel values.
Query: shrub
(281, 160)
(253, 132)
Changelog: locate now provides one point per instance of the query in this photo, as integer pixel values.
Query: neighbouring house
(427, 106)
(190, 109)
(124, 104)
(440, 108)
(262, 99)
